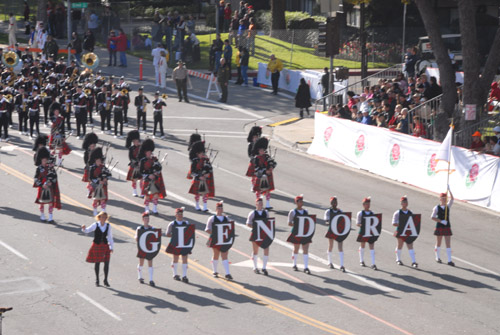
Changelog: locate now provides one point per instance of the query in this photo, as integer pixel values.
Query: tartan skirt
(446, 231)
(98, 253)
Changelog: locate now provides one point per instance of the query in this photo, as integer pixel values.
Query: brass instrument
(87, 91)
(8, 97)
(43, 94)
(74, 75)
(124, 91)
(90, 60)
(10, 59)
(164, 96)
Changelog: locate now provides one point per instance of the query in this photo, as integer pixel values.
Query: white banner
(434, 72)
(407, 159)
(290, 80)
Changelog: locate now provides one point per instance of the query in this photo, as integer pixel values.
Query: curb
(287, 143)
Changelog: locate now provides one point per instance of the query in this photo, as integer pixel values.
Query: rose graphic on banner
(360, 145)
(328, 134)
(267, 74)
(287, 78)
(431, 166)
(471, 178)
(395, 155)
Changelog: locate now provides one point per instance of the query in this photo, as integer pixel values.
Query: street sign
(80, 5)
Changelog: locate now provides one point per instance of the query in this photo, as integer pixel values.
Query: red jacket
(495, 92)
(121, 42)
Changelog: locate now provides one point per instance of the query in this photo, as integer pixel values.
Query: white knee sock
(437, 250)
(372, 254)
(139, 272)
(341, 256)
(412, 255)
(254, 258)
(184, 269)
(306, 261)
(329, 253)
(225, 263)
(264, 261)
(174, 268)
(150, 273)
(214, 265)
(146, 209)
(361, 254)
(448, 253)
(398, 254)
(294, 257)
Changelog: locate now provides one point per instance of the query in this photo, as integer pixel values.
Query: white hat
(496, 129)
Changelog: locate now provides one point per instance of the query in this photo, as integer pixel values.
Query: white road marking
(8, 148)
(14, 251)
(477, 266)
(249, 264)
(98, 305)
(202, 131)
(207, 118)
(22, 285)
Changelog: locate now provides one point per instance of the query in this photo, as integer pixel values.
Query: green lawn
(302, 58)
(4, 39)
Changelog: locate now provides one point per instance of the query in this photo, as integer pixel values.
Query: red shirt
(476, 145)
(121, 42)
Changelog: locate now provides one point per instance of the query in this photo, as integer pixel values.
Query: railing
(340, 96)
(427, 112)
(463, 137)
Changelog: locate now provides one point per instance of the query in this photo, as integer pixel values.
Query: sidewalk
(296, 135)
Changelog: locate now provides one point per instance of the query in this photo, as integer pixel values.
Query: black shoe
(152, 283)
(295, 268)
(331, 266)
(141, 281)
(229, 277)
(362, 264)
(180, 100)
(414, 265)
(97, 283)
(215, 274)
(374, 267)
(256, 271)
(51, 222)
(185, 280)
(155, 213)
(439, 261)
(176, 277)
(306, 270)
(399, 263)
(269, 208)
(264, 271)
(451, 264)
(342, 269)
(186, 100)
(106, 283)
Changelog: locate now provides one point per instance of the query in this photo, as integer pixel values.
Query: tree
(41, 13)
(476, 83)
(277, 15)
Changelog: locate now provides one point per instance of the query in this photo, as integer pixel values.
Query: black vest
(262, 217)
(443, 214)
(99, 236)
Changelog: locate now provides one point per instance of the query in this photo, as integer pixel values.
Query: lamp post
(404, 35)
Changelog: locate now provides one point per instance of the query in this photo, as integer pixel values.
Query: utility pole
(362, 33)
(216, 17)
(68, 14)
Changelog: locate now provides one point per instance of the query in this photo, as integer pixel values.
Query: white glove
(444, 222)
(104, 104)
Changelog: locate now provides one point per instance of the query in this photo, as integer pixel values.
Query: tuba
(10, 59)
(90, 60)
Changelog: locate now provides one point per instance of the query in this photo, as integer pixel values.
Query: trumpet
(124, 91)
(164, 96)
(43, 94)
(8, 97)
(87, 91)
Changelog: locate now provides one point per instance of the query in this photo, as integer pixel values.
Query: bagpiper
(89, 143)
(254, 134)
(264, 165)
(102, 245)
(153, 187)
(99, 175)
(40, 142)
(202, 175)
(46, 182)
(407, 228)
(182, 235)
(57, 141)
(133, 144)
(441, 215)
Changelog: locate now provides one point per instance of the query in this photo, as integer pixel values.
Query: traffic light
(329, 37)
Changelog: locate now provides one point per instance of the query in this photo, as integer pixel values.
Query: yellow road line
(206, 272)
(284, 122)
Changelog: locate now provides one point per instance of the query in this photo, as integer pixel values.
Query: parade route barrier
(200, 75)
(212, 81)
(61, 51)
(290, 80)
(408, 159)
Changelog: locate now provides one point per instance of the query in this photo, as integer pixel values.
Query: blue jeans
(123, 58)
(244, 74)
(112, 57)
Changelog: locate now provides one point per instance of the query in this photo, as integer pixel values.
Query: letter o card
(339, 226)
(182, 241)
(148, 242)
(303, 229)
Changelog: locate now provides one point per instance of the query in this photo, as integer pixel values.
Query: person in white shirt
(329, 213)
(441, 215)
(218, 251)
(261, 214)
(102, 246)
(156, 53)
(361, 234)
(12, 30)
(179, 221)
(299, 211)
(162, 69)
(396, 218)
(146, 226)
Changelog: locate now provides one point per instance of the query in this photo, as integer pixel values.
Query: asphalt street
(45, 278)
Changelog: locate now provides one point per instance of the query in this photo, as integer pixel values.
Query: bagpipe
(47, 194)
(207, 170)
(104, 175)
(156, 167)
(261, 170)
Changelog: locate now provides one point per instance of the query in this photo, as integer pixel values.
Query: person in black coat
(303, 98)
(89, 41)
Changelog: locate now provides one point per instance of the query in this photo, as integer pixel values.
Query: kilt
(256, 183)
(98, 253)
(65, 147)
(369, 239)
(195, 185)
(446, 231)
(85, 177)
(130, 174)
(160, 185)
(56, 196)
(250, 170)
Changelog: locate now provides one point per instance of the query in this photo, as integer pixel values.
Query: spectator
(353, 99)
(411, 59)
(76, 44)
(187, 50)
(227, 16)
(228, 53)
(252, 32)
(181, 32)
(237, 60)
(491, 141)
(242, 10)
(303, 98)
(325, 83)
(343, 112)
(76, 16)
(495, 92)
(137, 42)
(223, 76)
(89, 41)
(433, 90)
(363, 103)
(26, 13)
(402, 83)
(419, 129)
(121, 47)
(162, 69)
(148, 44)
(477, 144)
(12, 30)
(244, 65)
(366, 119)
(221, 8)
(195, 43)
(275, 67)
(381, 121)
(217, 45)
(191, 25)
(332, 111)
(156, 53)
(402, 126)
(241, 33)
(93, 23)
(51, 48)
(233, 28)
(112, 48)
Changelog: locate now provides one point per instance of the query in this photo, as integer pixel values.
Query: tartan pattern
(56, 196)
(162, 193)
(256, 183)
(98, 253)
(446, 231)
(195, 185)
